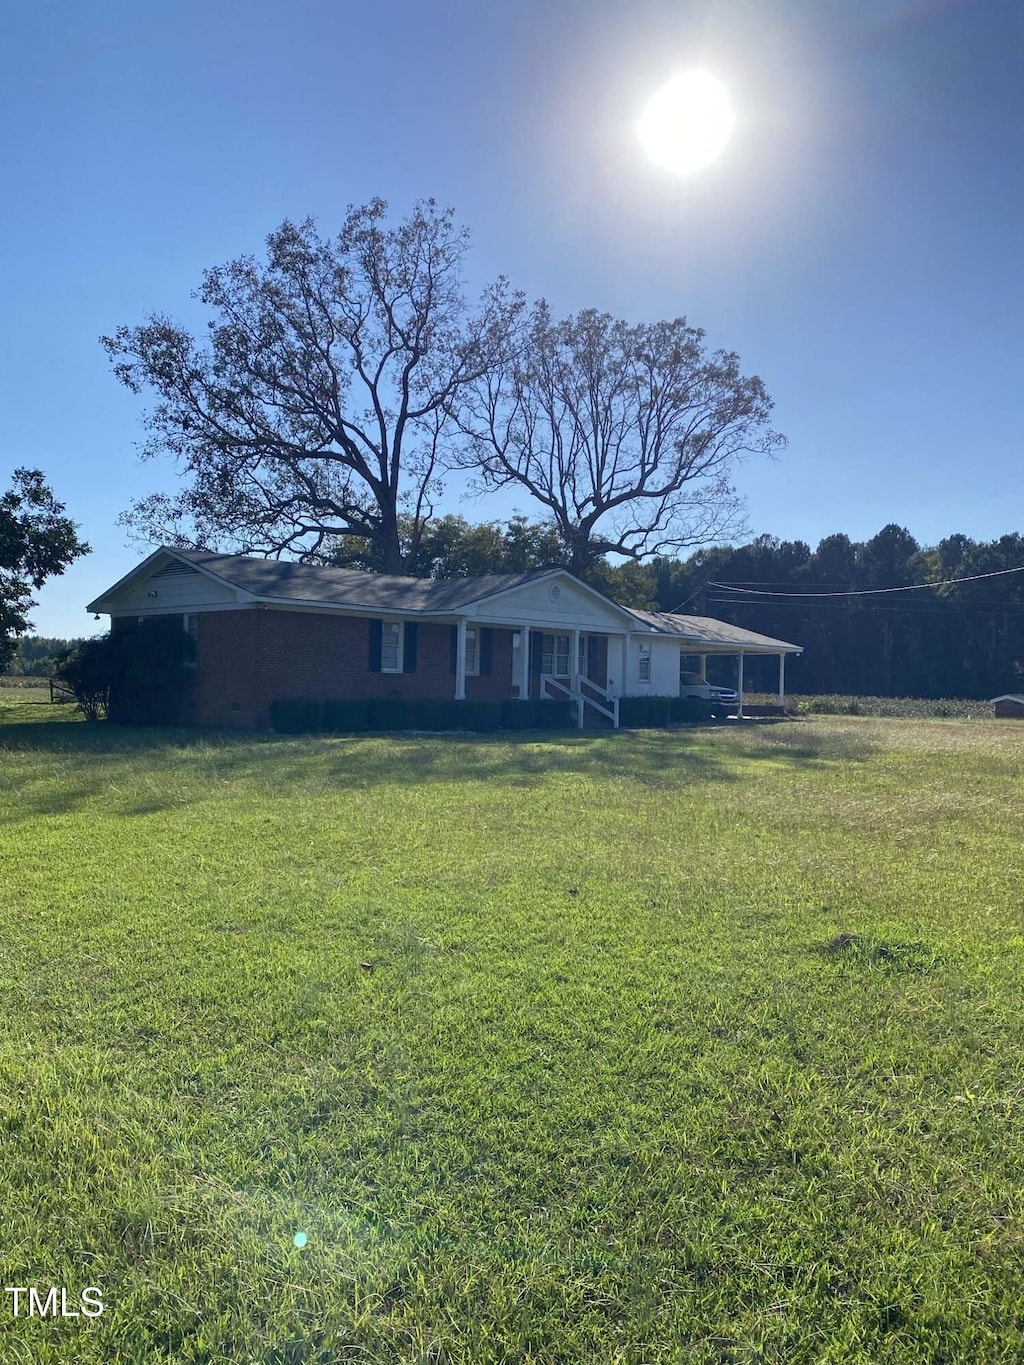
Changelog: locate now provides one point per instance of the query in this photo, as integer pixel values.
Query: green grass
(535, 1039)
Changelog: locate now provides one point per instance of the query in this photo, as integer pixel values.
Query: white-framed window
(190, 624)
(555, 655)
(391, 647)
(582, 661)
(472, 651)
(643, 664)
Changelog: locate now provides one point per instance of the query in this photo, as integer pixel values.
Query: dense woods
(37, 655)
(961, 639)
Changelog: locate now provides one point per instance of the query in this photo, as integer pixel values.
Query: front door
(597, 659)
(550, 653)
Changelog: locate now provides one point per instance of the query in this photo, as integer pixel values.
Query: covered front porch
(568, 642)
(569, 665)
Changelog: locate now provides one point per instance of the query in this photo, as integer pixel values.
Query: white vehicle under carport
(722, 699)
(693, 685)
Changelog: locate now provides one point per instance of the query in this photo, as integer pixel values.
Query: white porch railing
(587, 693)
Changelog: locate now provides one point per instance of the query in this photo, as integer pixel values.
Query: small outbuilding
(1010, 705)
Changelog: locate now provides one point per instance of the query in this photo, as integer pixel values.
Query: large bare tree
(626, 435)
(321, 402)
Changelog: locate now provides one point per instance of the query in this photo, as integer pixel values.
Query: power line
(934, 609)
(864, 592)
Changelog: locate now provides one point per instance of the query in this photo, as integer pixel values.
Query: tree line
(36, 656)
(946, 639)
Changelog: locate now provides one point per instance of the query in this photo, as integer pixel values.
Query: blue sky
(859, 242)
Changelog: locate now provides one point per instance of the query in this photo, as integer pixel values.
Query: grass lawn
(534, 1041)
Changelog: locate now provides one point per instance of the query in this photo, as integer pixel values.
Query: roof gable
(165, 581)
(555, 598)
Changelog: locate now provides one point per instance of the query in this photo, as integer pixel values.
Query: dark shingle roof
(288, 582)
(706, 630)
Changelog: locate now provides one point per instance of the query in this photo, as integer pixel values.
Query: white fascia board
(301, 604)
(182, 610)
(714, 646)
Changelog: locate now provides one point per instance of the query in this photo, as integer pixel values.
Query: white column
(460, 661)
(782, 681)
(704, 666)
(524, 663)
(574, 674)
(739, 689)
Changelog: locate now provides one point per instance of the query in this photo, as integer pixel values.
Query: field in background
(908, 708)
(550, 1048)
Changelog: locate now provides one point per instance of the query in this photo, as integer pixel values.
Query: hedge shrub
(433, 713)
(661, 711)
(640, 713)
(518, 714)
(297, 715)
(691, 711)
(149, 682)
(388, 713)
(552, 713)
(346, 716)
(483, 717)
(634, 712)
(300, 715)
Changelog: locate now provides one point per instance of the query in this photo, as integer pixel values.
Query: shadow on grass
(142, 771)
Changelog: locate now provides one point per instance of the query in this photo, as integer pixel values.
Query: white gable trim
(158, 559)
(478, 606)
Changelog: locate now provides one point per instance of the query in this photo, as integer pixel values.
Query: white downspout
(460, 661)
(574, 675)
(739, 709)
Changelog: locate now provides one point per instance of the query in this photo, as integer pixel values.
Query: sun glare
(687, 123)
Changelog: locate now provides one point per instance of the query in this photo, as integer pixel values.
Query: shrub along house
(256, 633)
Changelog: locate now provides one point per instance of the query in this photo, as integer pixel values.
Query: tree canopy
(626, 436)
(342, 377)
(37, 542)
(320, 405)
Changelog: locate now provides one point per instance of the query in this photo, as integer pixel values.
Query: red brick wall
(246, 659)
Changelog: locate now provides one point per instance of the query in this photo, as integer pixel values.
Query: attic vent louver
(175, 570)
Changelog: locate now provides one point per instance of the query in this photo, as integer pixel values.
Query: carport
(704, 636)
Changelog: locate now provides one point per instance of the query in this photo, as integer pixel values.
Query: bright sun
(687, 123)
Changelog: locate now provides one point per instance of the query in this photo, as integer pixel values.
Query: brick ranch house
(263, 630)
